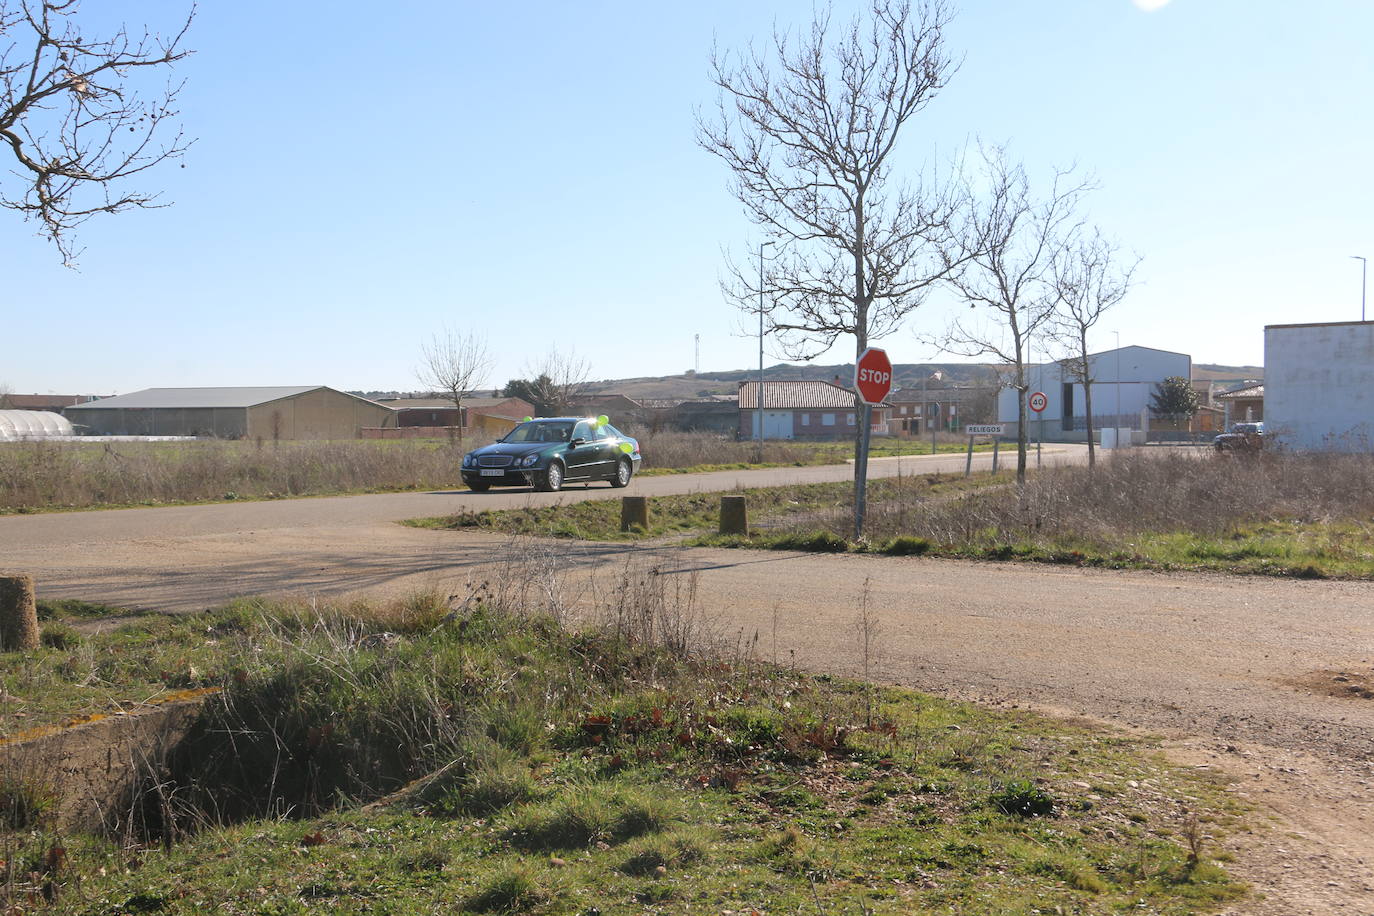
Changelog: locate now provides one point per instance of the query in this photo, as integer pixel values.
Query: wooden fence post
(734, 515)
(18, 614)
(634, 510)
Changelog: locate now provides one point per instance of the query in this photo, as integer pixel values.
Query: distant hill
(1211, 372)
(727, 382)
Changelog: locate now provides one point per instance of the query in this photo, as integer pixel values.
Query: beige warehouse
(268, 413)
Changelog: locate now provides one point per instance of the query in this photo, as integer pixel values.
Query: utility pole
(759, 405)
(1364, 265)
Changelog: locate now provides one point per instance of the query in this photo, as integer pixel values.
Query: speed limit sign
(1038, 401)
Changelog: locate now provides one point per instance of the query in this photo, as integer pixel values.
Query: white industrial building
(1319, 385)
(1122, 382)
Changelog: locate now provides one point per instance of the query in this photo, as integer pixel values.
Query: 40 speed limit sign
(1038, 401)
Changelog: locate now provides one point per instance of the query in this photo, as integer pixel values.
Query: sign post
(974, 430)
(1038, 402)
(872, 381)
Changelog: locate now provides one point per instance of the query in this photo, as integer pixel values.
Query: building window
(903, 409)
(806, 419)
(849, 418)
(827, 419)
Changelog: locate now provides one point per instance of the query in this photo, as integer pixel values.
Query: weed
(26, 801)
(674, 850)
(513, 889)
(1022, 798)
(59, 636)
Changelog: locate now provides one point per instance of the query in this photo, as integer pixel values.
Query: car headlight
(468, 461)
(530, 461)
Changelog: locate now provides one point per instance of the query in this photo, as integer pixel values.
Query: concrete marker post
(634, 510)
(968, 462)
(18, 614)
(734, 515)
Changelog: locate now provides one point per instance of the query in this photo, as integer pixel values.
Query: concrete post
(734, 515)
(18, 614)
(634, 510)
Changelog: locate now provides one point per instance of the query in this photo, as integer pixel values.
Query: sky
(365, 175)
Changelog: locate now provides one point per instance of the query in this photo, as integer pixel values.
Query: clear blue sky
(365, 173)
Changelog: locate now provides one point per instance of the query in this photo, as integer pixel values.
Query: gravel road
(1216, 664)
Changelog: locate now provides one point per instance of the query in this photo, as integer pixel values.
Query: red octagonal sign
(873, 375)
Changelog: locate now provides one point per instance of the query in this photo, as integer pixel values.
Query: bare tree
(808, 131)
(1017, 237)
(1090, 277)
(74, 116)
(453, 364)
(557, 381)
(5, 403)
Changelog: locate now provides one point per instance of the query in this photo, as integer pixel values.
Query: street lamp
(1364, 266)
(1116, 432)
(759, 405)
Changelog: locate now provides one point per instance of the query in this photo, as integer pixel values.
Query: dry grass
(672, 449)
(46, 475)
(1274, 513)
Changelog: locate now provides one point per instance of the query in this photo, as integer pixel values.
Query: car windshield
(541, 431)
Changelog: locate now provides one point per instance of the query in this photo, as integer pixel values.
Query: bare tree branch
(807, 129)
(554, 383)
(1090, 276)
(453, 364)
(74, 117)
(1009, 280)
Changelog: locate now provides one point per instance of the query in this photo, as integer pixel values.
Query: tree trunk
(18, 614)
(1088, 415)
(1021, 388)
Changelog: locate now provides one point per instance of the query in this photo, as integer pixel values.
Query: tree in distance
(1090, 277)
(1174, 399)
(453, 364)
(1017, 238)
(74, 116)
(554, 384)
(807, 129)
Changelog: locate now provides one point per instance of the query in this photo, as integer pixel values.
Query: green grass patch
(577, 770)
(695, 513)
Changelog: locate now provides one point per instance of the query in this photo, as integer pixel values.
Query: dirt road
(1224, 666)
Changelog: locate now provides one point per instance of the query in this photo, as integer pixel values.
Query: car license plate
(493, 472)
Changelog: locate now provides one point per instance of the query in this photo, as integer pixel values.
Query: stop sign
(873, 375)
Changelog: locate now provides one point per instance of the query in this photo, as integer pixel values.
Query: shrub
(1022, 798)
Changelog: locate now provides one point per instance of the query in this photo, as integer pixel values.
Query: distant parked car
(547, 453)
(1243, 437)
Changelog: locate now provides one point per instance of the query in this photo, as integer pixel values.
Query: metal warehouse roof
(32, 424)
(797, 395)
(199, 397)
(1249, 391)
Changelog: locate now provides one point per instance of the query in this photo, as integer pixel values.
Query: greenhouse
(32, 424)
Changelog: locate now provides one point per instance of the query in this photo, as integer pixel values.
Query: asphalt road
(1212, 661)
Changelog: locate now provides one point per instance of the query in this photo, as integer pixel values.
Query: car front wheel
(552, 480)
(623, 472)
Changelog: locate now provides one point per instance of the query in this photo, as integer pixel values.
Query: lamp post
(1364, 266)
(1116, 430)
(759, 404)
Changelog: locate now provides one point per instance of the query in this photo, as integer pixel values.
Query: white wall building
(1122, 382)
(1319, 385)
